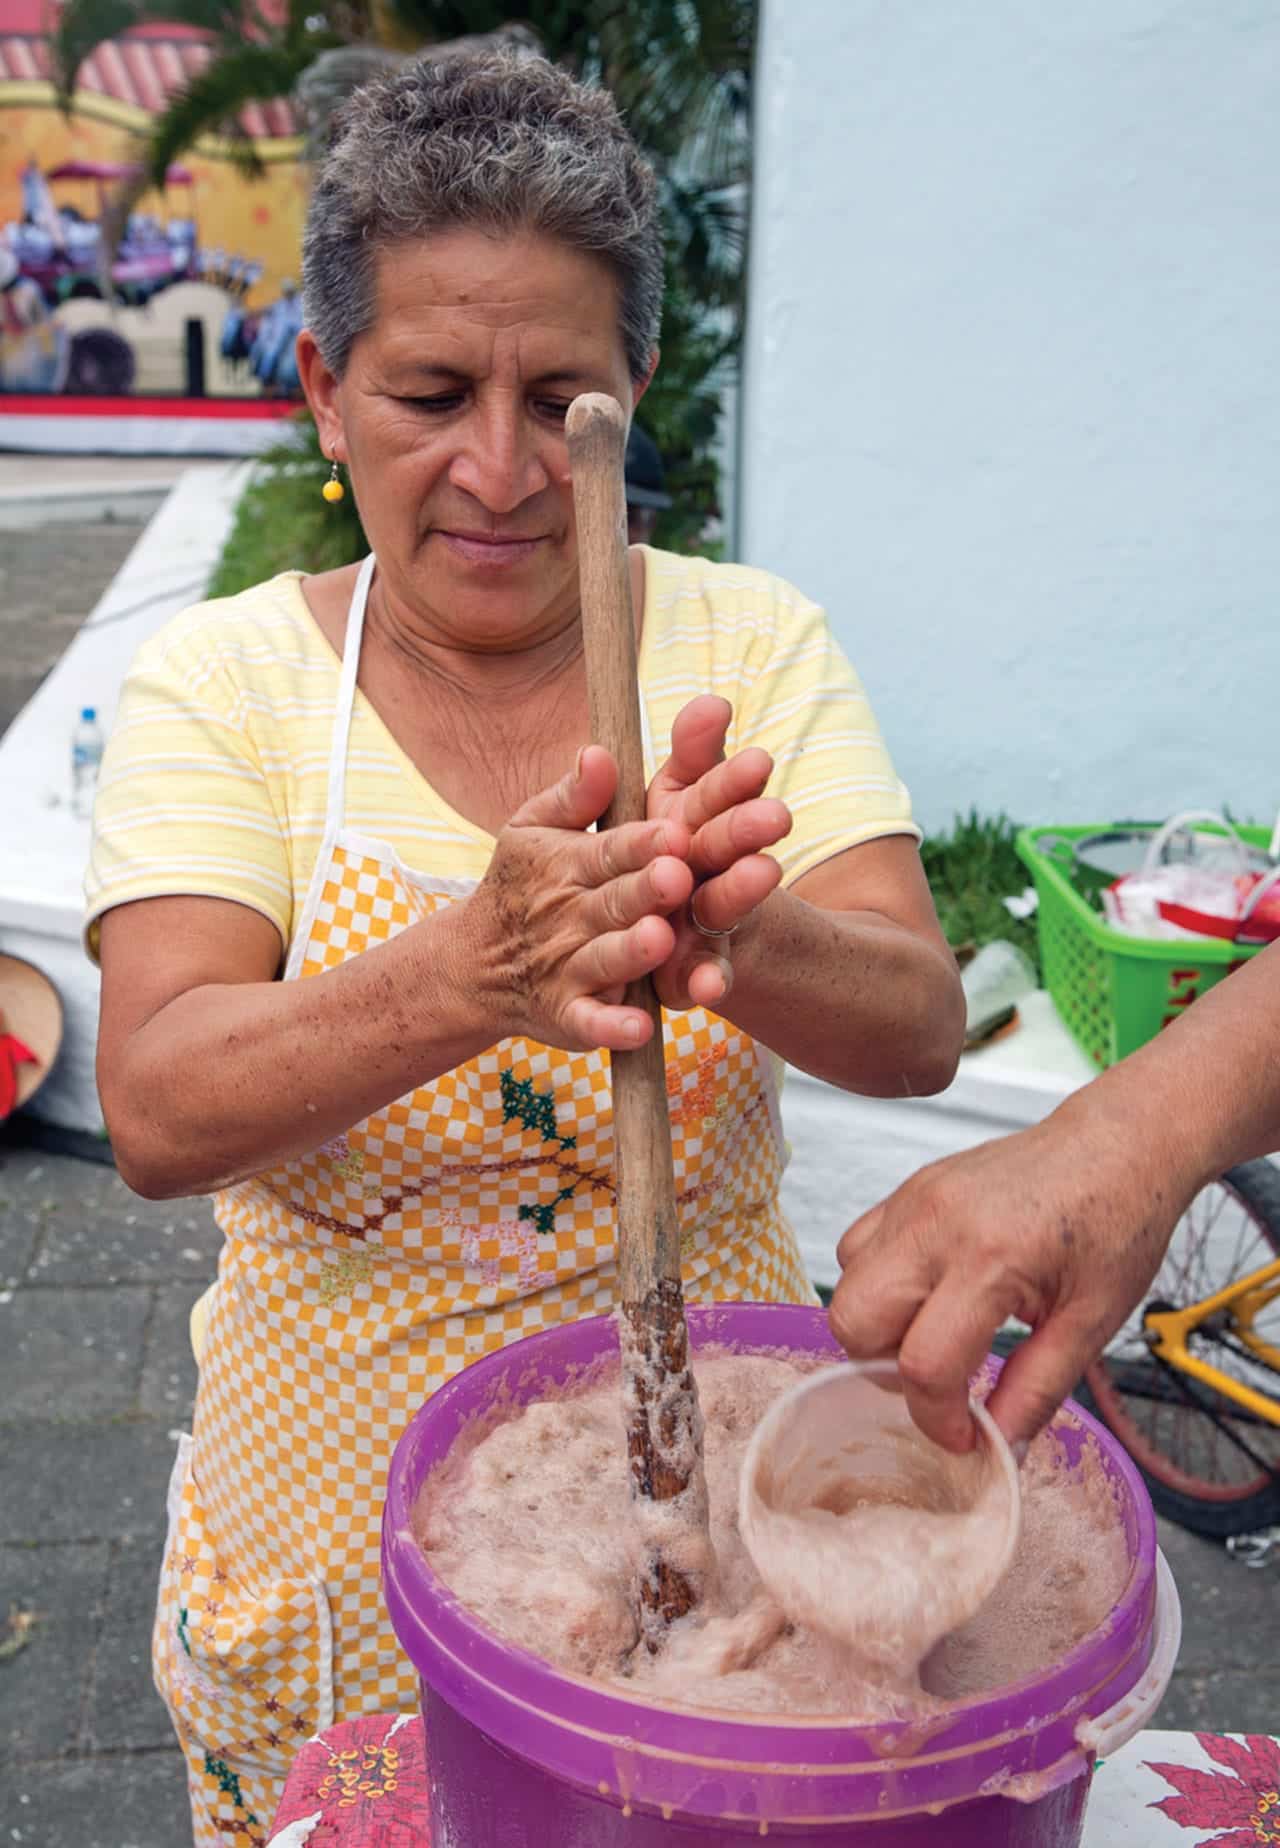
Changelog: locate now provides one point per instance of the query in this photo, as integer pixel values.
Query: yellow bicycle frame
(1167, 1331)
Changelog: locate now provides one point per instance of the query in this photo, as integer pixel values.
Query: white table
(43, 845)
(849, 1152)
(1212, 1785)
(1216, 1797)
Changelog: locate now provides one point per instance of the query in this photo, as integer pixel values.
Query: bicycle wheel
(1210, 1464)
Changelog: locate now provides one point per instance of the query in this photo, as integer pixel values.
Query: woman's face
(450, 415)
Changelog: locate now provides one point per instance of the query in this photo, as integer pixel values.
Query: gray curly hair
(498, 141)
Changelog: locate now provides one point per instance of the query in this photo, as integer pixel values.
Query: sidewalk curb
(86, 502)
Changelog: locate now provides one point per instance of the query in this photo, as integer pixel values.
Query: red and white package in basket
(1195, 901)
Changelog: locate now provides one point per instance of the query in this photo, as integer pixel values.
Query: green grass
(283, 523)
(970, 870)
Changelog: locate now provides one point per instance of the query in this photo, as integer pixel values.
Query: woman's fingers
(700, 971)
(706, 981)
(616, 957)
(592, 907)
(577, 799)
(697, 744)
(592, 1023)
(633, 848)
(697, 782)
(739, 779)
(723, 902)
(732, 824)
(751, 827)
(659, 888)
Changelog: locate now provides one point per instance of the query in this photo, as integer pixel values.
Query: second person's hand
(1062, 1226)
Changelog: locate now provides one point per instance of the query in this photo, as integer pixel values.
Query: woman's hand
(1062, 1225)
(563, 919)
(730, 822)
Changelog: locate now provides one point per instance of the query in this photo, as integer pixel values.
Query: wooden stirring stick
(664, 1429)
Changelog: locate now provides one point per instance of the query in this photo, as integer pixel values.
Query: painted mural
(204, 296)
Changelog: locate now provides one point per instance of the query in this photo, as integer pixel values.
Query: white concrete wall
(1013, 387)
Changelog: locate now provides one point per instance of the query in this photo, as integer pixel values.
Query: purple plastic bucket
(521, 1755)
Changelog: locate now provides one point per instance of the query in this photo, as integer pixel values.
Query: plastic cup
(860, 1526)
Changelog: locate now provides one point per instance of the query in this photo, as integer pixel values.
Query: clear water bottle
(86, 754)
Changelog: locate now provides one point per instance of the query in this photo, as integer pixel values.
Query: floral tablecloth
(363, 1785)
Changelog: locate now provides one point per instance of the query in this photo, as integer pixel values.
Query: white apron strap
(646, 742)
(337, 800)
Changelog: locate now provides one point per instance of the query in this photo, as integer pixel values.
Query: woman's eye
(555, 408)
(442, 401)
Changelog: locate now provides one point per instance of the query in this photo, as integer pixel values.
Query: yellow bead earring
(333, 489)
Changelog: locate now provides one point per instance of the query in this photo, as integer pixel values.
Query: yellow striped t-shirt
(215, 777)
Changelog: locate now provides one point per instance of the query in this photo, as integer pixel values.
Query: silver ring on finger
(705, 930)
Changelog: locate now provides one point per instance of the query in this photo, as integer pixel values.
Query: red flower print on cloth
(1245, 1806)
(13, 1053)
(359, 1785)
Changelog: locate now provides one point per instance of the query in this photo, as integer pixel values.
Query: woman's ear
(641, 386)
(322, 393)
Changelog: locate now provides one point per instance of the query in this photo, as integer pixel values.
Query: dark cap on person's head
(645, 476)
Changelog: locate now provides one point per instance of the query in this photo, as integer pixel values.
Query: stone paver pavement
(50, 579)
(96, 1380)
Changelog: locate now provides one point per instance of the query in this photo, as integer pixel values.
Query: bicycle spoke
(1201, 1261)
(1178, 1427)
(1194, 1396)
(1178, 1288)
(1223, 1197)
(1187, 1234)
(1204, 1278)
(1184, 1431)
(1246, 1226)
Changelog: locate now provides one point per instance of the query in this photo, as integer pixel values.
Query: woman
(381, 780)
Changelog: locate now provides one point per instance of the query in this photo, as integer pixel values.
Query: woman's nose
(498, 462)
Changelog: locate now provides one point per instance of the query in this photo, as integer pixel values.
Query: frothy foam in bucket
(863, 1529)
(528, 1522)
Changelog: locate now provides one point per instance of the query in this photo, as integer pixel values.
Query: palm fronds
(247, 72)
(251, 62)
(83, 25)
(680, 69)
(682, 73)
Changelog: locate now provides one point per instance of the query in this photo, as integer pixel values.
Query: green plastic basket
(1115, 992)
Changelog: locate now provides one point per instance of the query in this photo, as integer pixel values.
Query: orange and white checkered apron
(353, 1282)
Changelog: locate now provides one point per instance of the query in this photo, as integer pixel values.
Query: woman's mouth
(491, 551)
